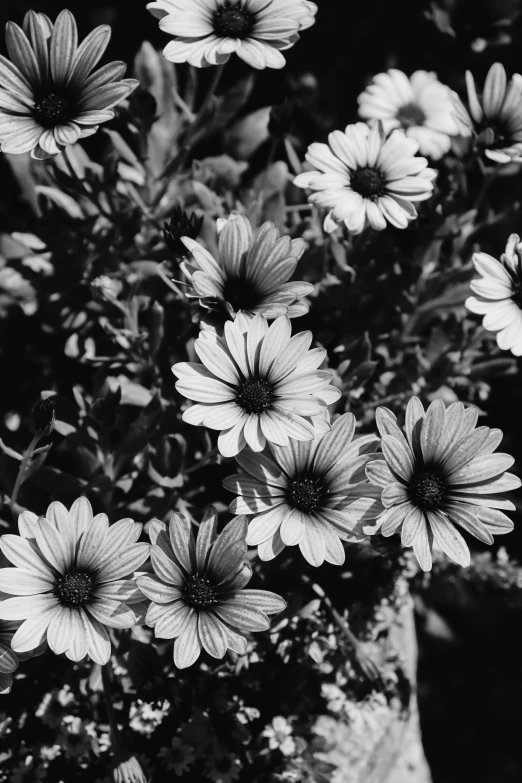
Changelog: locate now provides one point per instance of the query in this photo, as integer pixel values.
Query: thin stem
(216, 78)
(489, 178)
(23, 467)
(115, 732)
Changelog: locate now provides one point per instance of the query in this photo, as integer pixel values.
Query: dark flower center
(74, 590)
(199, 593)
(233, 21)
(241, 294)
(254, 396)
(51, 111)
(368, 182)
(493, 133)
(411, 114)
(306, 494)
(427, 490)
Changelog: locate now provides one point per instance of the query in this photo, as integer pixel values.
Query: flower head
(279, 735)
(252, 272)
(207, 32)
(181, 225)
(257, 384)
(72, 577)
(50, 98)
(494, 119)
(8, 659)
(197, 590)
(499, 294)
(312, 494)
(366, 177)
(418, 104)
(439, 473)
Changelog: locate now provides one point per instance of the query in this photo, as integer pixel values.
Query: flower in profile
(440, 473)
(8, 659)
(181, 225)
(499, 295)
(418, 104)
(257, 384)
(50, 97)
(252, 272)
(198, 590)
(312, 494)
(365, 177)
(72, 578)
(207, 32)
(494, 119)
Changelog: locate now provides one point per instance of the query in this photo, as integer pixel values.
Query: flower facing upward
(197, 590)
(420, 105)
(439, 473)
(364, 177)
(257, 384)
(8, 659)
(252, 272)
(207, 32)
(49, 97)
(311, 494)
(499, 294)
(72, 577)
(496, 118)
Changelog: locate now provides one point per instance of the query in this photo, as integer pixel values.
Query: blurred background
(470, 630)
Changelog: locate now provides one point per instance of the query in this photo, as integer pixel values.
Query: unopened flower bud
(41, 419)
(181, 225)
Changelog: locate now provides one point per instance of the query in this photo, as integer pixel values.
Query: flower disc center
(254, 396)
(368, 182)
(199, 593)
(241, 294)
(306, 494)
(411, 115)
(51, 111)
(74, 590)
(232, 21)
(427, 490)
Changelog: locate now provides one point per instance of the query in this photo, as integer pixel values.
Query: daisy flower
(207, 32)
(50, 98)
(495, 119)
(420, 105)
(312, 494)
(197, 589)
(257, 384)
(440, 473)
(72, 577)
(365, 177)
(8, 659)
(252, 272)
(499, 295)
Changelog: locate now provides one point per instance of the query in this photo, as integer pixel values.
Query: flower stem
(216, 78)
(116, 739)
(90, 196)
(21, 471)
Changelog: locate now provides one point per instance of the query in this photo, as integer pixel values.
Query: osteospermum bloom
(252, 272)
(312, 494)
(8, 658)
(207, 32)
(50, 98)
(365, 177)
(494, 119)
(72, 578)
(198, 588)
(257, 384)
(499, 295)
(438, 474)
(419, 104)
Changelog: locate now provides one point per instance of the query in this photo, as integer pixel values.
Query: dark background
(470, 677)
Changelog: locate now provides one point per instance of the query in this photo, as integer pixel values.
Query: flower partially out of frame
(207, 32)
(499, 295)
(494, 118)
(72, 577)
(49, 96)
(367, 178)
(198, 590)
(312, 495)
(438, 474)
(419, 104)
(8, 658)
(257, 384)
(252, 272)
